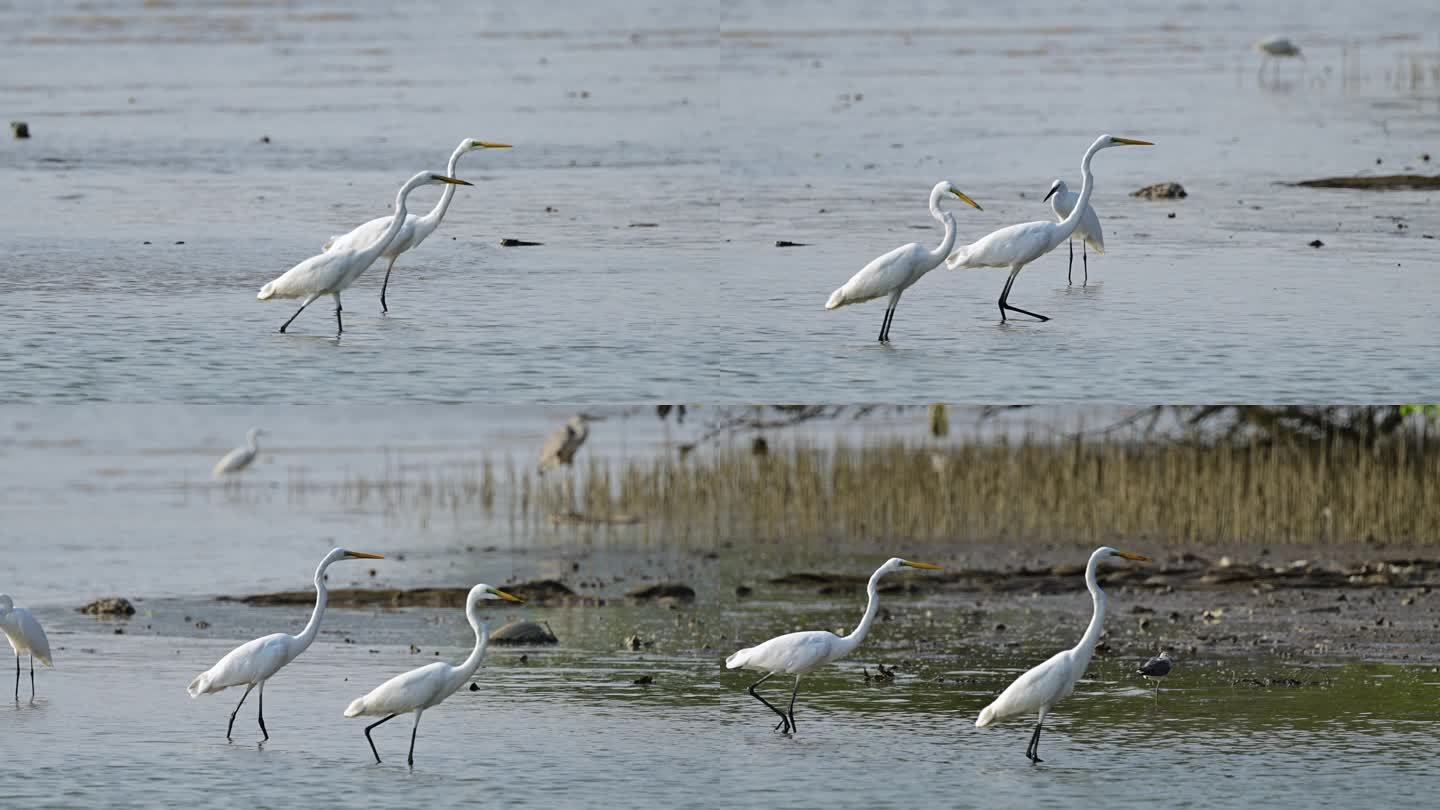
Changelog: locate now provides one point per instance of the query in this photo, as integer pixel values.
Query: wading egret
(25, 635)
(332, 272)
(254, 662)
(804, 652)
(1018, 245)
(897, 270)
(1062, 202)
(416, 227)
(563, 444)
(1053, 681)
(419, 689)
(239, 458)
(1157, 668)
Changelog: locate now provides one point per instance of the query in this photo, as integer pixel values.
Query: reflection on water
(728, 133)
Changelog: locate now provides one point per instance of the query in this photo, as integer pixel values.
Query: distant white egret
(1018, 245)
(419, 689)
(1277, 47)
(1062, 202)
(896, 271)
(1051, 682)
(331, 272)
(1157, 668)
(563, 444)
(254, 662)
(804, 652)
(416, 227)
(25, 634)
(239, 458)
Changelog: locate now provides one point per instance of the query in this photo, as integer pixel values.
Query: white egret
(331, 272)
(894, 273)
(804, 652)
(1051, 682)
(419, 689)
(1157, 668)
(563, 444)
(416, 227)
(1018, 245)
(254, 662)
(1062, 202)
(239, 458)
(25, 634)
(1277, 47)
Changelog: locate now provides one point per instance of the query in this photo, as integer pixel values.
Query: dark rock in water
(743, 590)
(524, 633)
(1317, 244)
(474, 687)
(788, 243)
(20, 129)
(664, 590)
(1161, 191)
(109, 606)
(518, 243)
(644, 680)
(1387, 182)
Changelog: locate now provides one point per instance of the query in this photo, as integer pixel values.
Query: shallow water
(727, 131)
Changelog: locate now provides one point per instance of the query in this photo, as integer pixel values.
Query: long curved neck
(1092, 633)
(862, 629)
(1087, 185)
(397, 221)
(432, 219)
(312, 628)
(482, 638)
(948, 220)
(253, 442)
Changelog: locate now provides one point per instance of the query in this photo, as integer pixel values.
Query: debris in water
(264, 139)
(202, 625)
(524, 633)
(665, 590)
(644, 224)
(1161, 191)
(1316, 243)
(743, 591)
(884, 674)
(644, 680)
(20, 129)
(788, 243)
(1388, 182)
(507, 242)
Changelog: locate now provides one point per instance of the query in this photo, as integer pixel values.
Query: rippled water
(726, 131)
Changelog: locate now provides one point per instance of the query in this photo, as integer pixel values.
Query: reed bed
(1041, 489)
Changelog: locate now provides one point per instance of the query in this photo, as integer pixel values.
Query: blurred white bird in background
(239, 458)
(1062, 202)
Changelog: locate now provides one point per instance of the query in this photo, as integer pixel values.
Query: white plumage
(419, 689)
(333, 271)
(1062, 202)
(415, 228)
(1018, 245)
(896, 271)
(806, 651)
(254, 662)
(1039, 689)
(25, 635)
(239, 458)
(562, 445)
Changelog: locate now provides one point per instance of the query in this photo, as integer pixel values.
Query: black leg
(411, 760)
(784, 721)
(793, 727)
(262, 712)
(383, 308)
(1085, 259)
(17, 677)
(32, 673)
(286, 325)
(231, 727)
(339, 325)
(1004, 304)
(884, 324)
(1071, 269)
(1033, 751)
(371, 741)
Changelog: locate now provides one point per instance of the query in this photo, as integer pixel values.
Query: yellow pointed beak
(442, 178)
(1130, 142)
(1136, 557)
(966, 199)
(491, 145)
(363, 555)
(508, 597)
(927, 566)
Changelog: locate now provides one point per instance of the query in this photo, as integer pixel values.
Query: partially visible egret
(894, 273)
(419, 689)
(1277, 47)
(331, 272)
(239, 458)
(1157, 668)
(563, 444)
(1062, 202)
(1051, 682)
(25, 635)
(1018, 245)
(416, 227)
(804, 652)
(254, 662)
